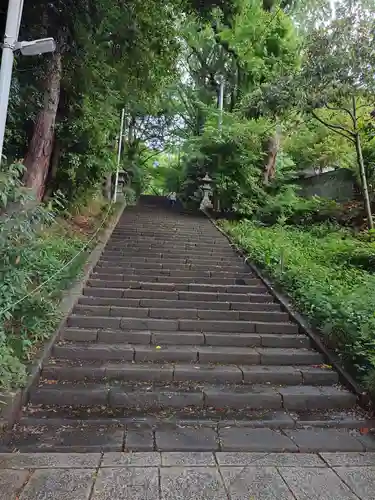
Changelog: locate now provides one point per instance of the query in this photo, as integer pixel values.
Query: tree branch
(336, 128)
(341, 109)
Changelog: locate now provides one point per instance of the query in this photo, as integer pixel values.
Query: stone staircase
(175, 346)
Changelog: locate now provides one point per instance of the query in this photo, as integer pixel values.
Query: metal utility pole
(12, 29)
(221, 107)
(221, 104)
(9, 46)
(121, 134)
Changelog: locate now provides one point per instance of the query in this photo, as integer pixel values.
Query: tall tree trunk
(362, 171)
(55, 159)
(361, 165)
(271, 149)
(38, 156)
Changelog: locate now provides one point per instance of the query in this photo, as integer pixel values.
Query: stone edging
(13, 402)
(363, 398)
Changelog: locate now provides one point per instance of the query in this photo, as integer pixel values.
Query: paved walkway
(187, 476)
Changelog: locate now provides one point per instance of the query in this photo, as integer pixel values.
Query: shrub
(287, 207)
(34, 247)
(320, 270)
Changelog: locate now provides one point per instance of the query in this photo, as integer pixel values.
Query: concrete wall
(338, 185)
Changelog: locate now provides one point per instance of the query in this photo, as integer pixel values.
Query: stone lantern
(207, 192)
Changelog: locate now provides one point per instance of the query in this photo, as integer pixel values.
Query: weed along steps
(175, 346)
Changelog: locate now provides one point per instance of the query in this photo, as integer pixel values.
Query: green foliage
(31, 255)
(233, 159)
(321, 271)
(112, 57)
(286, 207)
(312, 146)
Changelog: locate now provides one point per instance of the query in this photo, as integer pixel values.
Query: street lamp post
(9, 46)
(121, 135)
(221, 107)
(221, 104)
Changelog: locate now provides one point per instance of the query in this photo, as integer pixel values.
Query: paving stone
(59, 484)
(79, 334)
(125, 483)
(166, 353)
(216, 326)
(11, 482)
(139, 440)
(88, 438)
(319, 376)
(119, 398)
(281, 375)
(149, 324)
(276, 328)
(361, 480)
(191, 483)
(138, 459)
(63, 395)
(100, 292)
(258, 483)
(233, 340)
(178, 338)
(277, 356)
(187, 459)
(138, 372)
(186, 439)
(95, 310)
(204, 297)
(313, 398)
(285, 341)
(271, 419)
(209, 354)
(270, 459)
(262, 399)
(208, 373)
(242, 439)
(349, 459)
(93, 322)
(99, 352)
(320, 440)
(218, 315)
(49, 460)
(122, 336)
(315, 484)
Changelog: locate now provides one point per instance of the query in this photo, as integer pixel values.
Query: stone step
(233, 339)
(141, 396)
(146, 323)
(180, 287)
(155, 267)
(191, 241)
(179, 304)
(144, 353)
(180, 313)
(169, 252)
(214, 374)
(132, 293)
(220, 419)
(240, 279)
(76, 436)
(176, 345)
(170, 261)
(171, 245)
(134, 273)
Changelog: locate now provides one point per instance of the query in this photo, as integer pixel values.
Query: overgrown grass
(329, 274)
(36, 242)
